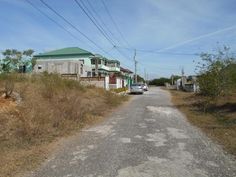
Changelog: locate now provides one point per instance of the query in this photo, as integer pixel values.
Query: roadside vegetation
(218, 122)
(36, 110)
(213, 108)
(119, 90)
(163, 80)
(16, 61)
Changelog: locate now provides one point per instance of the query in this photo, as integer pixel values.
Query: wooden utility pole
(96, 66)
(172, 79)
(145, 75)
(135, 67)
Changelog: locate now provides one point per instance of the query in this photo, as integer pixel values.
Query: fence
(102, 82)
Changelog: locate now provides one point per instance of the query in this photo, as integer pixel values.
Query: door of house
(112, 79)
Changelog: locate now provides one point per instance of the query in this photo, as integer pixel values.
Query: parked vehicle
(136, 88)
(145, 87)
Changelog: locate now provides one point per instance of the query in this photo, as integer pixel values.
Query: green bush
(215, 78)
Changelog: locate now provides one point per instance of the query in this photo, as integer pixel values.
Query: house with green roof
(74, 62)
(102, 66)
(71, 60)
(114, 65)
(99, 66)
(127, 76)
(110, 69)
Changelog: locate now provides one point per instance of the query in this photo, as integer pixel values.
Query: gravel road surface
(147, 137)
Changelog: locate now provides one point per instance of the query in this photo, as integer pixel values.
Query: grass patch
(119, 90)
(50, 108)
(218, 121)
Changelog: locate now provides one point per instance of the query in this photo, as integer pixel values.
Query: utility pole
(135, 67)
(172, 79)
(183, 78)
(145, 75)
(96, 66)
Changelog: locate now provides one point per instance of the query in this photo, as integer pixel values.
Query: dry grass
(50, 108)
(219, 120)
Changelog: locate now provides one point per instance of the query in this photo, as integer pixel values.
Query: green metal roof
(100, 57)
(65, 52)
(104, 58)
(114, 61)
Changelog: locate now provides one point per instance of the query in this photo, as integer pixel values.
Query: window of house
(93, 61)
(39, 67)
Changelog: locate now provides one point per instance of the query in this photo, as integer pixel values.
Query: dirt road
(146, 138)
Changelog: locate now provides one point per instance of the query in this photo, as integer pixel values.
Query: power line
(68, 22)
(73, 26)
(126, 66)
(59, 25)
(127, 57)
(101, 20)
(114, 23)
(94, 21)
(54, 21)
(100, 28)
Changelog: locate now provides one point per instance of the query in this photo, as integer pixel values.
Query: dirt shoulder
(218, 122)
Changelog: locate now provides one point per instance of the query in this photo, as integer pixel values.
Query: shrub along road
(147, 137)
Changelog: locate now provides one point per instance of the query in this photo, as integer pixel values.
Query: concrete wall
(112, 86)
(71, 76)
(107, 83)
(119, 82)
(60, 67)
(102, 82)
(63, 67)
(95, 83)
(87, 71)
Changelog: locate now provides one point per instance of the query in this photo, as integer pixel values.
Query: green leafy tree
(215, 78)
(13, 59)
(140, 79)
(160, 82)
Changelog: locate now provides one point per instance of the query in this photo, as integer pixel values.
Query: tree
(14, 59)
(160, 82)
(215, 79)
(140, 79)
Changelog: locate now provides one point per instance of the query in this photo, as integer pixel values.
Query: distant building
(79, 64)
(188, 84)
(127, 76)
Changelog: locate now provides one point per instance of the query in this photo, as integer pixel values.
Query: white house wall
(66, 66)
(119, 82)
(60, 67)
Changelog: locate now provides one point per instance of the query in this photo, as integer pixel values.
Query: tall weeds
(52, 106)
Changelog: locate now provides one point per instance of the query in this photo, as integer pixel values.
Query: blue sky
(164, 26)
